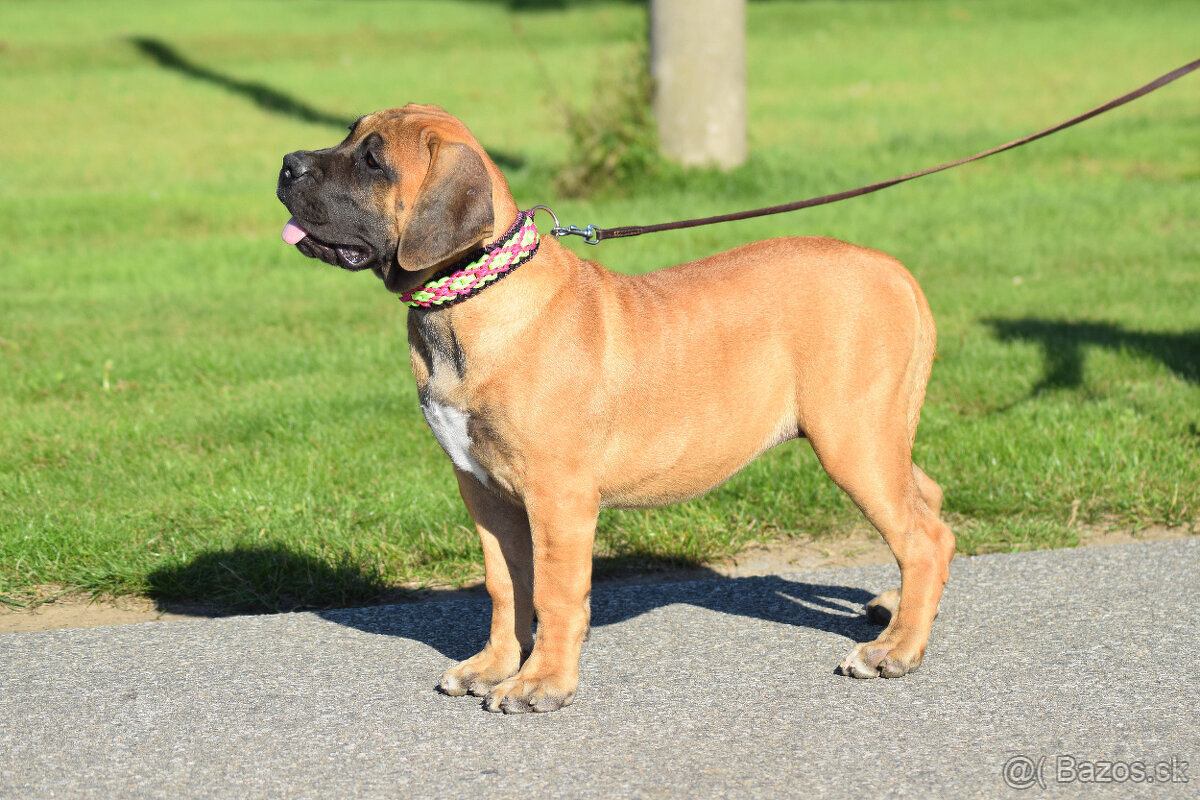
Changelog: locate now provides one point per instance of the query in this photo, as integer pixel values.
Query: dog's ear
(453, 210)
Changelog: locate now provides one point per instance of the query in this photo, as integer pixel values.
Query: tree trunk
(698, 62)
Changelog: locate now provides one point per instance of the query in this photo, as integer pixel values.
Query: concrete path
(1057, 666)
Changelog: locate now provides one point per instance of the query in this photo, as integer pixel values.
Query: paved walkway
(715, 688)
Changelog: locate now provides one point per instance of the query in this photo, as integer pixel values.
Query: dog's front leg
(563, 523)
(508, 569)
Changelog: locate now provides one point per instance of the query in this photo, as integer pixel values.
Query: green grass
(190, 409)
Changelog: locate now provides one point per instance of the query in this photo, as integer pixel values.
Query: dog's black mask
(332, 196)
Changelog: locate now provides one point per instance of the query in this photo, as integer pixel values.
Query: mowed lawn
(190, 409)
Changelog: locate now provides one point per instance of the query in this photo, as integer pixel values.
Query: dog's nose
(296, 166)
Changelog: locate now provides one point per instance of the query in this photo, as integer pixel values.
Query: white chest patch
(449, 426)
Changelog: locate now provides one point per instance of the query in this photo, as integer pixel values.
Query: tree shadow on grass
(265, 97)
(263, 580)
(562, 5)
(275, 578)
(1064, 347)
(547, 5)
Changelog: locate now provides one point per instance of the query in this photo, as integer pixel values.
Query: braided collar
(475, 273)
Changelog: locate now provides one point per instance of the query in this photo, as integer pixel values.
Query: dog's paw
(519, 695)
(880, 659)
(478, 674)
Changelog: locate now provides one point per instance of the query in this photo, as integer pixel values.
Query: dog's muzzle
(300, 171)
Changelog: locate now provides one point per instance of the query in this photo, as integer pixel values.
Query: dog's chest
(450, 427)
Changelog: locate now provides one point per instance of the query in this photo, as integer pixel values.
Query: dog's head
(407, 193)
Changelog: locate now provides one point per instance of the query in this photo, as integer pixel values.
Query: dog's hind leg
(884, 606)
(869, 457)
(508, 569)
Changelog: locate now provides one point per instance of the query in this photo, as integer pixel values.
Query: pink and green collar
(468, 278)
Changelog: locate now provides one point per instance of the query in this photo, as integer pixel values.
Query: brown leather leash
(594, 235)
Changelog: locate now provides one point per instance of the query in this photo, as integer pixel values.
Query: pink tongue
(292, 232)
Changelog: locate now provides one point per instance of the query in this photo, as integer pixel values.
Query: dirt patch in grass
(57, 610)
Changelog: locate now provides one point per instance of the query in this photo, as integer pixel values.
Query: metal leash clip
(589, 233)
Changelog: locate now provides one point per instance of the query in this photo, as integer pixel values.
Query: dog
(558, 388)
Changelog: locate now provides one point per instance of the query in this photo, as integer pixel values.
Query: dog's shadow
(276, 578)
(458, 627)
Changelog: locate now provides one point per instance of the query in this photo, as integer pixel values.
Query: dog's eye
(370, 161)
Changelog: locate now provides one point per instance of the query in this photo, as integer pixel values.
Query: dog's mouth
(353, 257)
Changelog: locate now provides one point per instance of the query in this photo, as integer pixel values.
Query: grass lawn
(192, 410)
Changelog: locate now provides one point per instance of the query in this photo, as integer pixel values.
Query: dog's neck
(470, 336)
(477, 272)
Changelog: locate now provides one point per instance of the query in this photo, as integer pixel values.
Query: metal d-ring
(533, 211)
